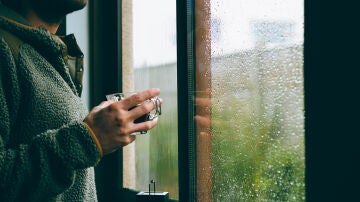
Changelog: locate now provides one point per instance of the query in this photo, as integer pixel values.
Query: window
(248, 63)
(149, 60)
(231, 75)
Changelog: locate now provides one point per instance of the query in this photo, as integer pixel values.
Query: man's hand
(112, 122)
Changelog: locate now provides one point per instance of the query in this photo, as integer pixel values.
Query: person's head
(51, 11)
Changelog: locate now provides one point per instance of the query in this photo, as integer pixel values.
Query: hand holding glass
(146, 117)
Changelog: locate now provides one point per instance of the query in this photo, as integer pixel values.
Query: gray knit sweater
(46, 153)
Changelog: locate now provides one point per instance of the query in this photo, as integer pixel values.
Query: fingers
(139, 98)
(127, 116)
(144, 108)
(143, 126)
(142, 102)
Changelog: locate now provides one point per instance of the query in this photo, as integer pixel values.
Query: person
(49, 141)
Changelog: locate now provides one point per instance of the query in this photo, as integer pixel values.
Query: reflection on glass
(154, 58)
(255, 148)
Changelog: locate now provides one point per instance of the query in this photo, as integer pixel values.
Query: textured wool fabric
(46, 152)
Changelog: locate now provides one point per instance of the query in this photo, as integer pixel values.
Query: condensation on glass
(249, 57)
(149, 60)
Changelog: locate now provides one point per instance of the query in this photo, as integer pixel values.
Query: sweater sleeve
(45, 165)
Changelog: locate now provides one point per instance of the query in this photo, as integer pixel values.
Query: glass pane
(250, 53)
(154, 59)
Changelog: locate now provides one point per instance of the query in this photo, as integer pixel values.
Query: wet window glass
(250, 70)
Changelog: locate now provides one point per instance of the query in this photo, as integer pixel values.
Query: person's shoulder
(11, 40)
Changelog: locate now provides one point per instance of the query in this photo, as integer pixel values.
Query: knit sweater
(46, 152)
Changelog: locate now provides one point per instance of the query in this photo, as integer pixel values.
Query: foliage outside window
(257, 108)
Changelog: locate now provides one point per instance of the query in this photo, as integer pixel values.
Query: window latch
(152, 196)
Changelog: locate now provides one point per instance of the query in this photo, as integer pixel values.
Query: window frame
(105, 71)
(330, 85)
(322, 161)
(186, 61)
